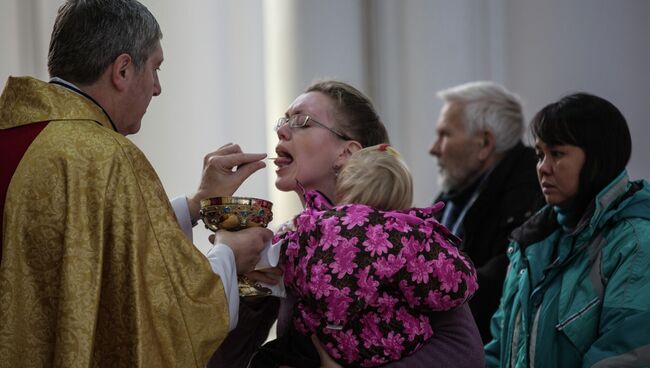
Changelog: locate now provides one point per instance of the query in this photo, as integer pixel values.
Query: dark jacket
(509, 196)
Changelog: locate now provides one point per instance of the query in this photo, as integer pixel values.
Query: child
(367, 276)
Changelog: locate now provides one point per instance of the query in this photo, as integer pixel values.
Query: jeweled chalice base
(236, 213)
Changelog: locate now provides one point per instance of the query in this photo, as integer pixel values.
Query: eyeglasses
(304, 121)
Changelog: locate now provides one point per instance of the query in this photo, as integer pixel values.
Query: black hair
(598, 128)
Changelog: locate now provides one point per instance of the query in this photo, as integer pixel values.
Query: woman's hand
(325, 360)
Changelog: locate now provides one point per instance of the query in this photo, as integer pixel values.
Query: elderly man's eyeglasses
(305, 121)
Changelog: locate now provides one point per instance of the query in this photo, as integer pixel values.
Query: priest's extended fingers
(232, 150)
(233, 160)
(226, 149)
(229, 148)
(244, 171)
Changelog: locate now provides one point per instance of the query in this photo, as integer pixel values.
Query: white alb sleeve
(270, 257)
(222, 261)
(182, 212)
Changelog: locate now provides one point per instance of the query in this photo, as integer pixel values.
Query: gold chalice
(236, 213)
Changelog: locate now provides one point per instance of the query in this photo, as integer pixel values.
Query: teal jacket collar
(621, 199)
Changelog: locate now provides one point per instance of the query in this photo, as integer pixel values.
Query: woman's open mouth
(284, 159)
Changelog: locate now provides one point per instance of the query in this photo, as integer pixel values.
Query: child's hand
(325, 360)
(268, 275)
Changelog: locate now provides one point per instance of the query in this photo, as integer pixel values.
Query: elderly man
(488, 181)
(95, 270)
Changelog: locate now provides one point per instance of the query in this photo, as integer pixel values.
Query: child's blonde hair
(375, 176)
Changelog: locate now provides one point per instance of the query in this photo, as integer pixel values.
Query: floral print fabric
(368, 280)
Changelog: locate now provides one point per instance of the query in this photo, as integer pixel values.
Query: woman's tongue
(283, 161)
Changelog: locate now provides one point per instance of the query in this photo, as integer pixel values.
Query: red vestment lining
(13, 144)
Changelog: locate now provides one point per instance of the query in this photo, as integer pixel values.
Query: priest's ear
(122, 71)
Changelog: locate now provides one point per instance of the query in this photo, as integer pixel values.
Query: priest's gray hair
(489, 106)
(89, 34)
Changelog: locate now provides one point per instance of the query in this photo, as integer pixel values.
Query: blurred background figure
(488, 181)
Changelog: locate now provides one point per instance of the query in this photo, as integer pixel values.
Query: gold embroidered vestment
(95, 271)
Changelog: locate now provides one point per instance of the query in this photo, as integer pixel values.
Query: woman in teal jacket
(577, 292)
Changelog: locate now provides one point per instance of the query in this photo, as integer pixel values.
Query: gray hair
(489, 106)
(89, 34)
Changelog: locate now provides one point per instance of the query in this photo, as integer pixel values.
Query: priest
(95, 270)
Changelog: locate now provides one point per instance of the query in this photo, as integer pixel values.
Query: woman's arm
(455, 343)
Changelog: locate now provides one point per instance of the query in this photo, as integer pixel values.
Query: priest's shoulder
(89, 138)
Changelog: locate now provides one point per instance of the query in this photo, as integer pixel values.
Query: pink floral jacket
(368, 280)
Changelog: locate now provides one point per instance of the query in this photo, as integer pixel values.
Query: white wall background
(232, 66)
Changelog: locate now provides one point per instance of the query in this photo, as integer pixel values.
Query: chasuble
(95, 271)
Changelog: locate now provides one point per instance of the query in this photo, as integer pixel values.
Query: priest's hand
(224, 170)
(246, 245)
(269, 275)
